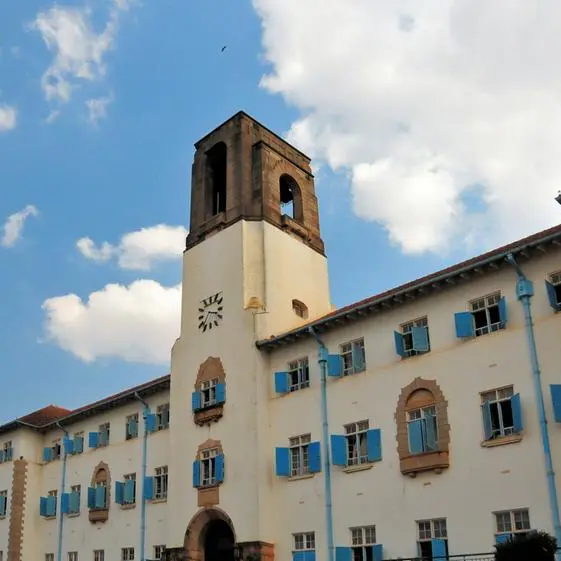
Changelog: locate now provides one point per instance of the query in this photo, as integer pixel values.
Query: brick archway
(195, 534)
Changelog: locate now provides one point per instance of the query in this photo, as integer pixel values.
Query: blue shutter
(415, 429)
(150, 422)
(420, 336)
(196, 401)
(47, 454)
(314, 457)
(8, 454)
(551, 294)
(516, 413)
(399, 344)
(78, 445)
(196, 473)
(219, 467)
(334, 365)
(343, 554)
(220, 393)
(148, 491)
(282, 462)
(377, 552)
(119, 492)
(502, 538)
(555, 390)
(503, 311)
(132, 427)
(338, 450)
(429, 426)
(487, 424)
(74, 502)
(100, 497)
(374, 445)
(281, 382)
(68, 444)
(102, 439)
(91, 497)
(51, 505)
(3, 505)
(438, 550)
(128, 493)
(358, 359)
(93, 440)
(309, 555)
(2, 456)
(43, 506)
(65, 503)
(464, 324)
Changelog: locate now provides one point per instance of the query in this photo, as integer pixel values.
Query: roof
(46, 418)
(423, 286)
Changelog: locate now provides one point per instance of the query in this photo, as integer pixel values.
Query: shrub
(534, 546)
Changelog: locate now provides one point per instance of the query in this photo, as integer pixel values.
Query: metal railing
(466, 557)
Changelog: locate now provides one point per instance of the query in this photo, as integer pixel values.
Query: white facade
(228, 483)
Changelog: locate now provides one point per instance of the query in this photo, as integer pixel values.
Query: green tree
(534, 546)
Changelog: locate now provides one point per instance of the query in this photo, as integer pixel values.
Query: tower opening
(290, 197)
(216, 164)
(219, 543)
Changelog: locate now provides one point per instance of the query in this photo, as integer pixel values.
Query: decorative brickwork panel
(17, 510)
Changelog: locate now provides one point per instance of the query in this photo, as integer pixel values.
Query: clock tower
(254, 266)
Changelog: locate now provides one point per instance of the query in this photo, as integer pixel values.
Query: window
(127, 554)
(362, 540)
(53, 503)
(509, 522)
(487, 314)
(3, 503)
(299, 454)
(300, 309)
(216, 165)
(56, 449)
(159, 551)
(78, 446)
(208, 392)
(104, 434)
(130, 489)
(414, 338)
(432, 539)
(162, 416)
(161, 483)
(131, 429)
(74, 501)
(1, 555)
(72, 556)
(553, 285)
(423, 430)
(7, 452)
(305, 541)
(49, 557)
(208, 461)
(501, 413)
(99, 555)
(299, 374)
(357, 448)
(354, 358)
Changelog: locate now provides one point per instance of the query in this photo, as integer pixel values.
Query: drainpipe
(525, 291)
(145, 414)
(62, 486)
(322, 360)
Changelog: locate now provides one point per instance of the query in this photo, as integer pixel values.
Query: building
(442, 435)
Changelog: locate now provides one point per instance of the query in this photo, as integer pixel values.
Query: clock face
(210, 312)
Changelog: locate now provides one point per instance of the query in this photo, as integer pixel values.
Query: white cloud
(139, 250)
(79, 50)
(137, 323)
(431, 98)
(13, 227)
(8, 118)
(97, 108)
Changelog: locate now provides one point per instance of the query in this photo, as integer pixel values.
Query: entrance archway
(210, 536)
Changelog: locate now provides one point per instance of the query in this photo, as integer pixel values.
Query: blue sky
(101, 102)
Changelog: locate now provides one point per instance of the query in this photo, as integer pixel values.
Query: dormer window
(300, 309)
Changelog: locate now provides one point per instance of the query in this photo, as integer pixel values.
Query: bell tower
(254, 266)
(243, 171)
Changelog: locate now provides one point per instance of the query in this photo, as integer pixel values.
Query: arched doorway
(210, 536)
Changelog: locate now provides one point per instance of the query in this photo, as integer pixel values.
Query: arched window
(423, 432)
(290, 197)
(300, 309)
(216, 166)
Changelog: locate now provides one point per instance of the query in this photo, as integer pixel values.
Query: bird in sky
(223, 48)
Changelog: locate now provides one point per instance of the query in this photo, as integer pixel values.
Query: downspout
(145, 414)
(322, 360)
(62, 486)
(524, 291)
